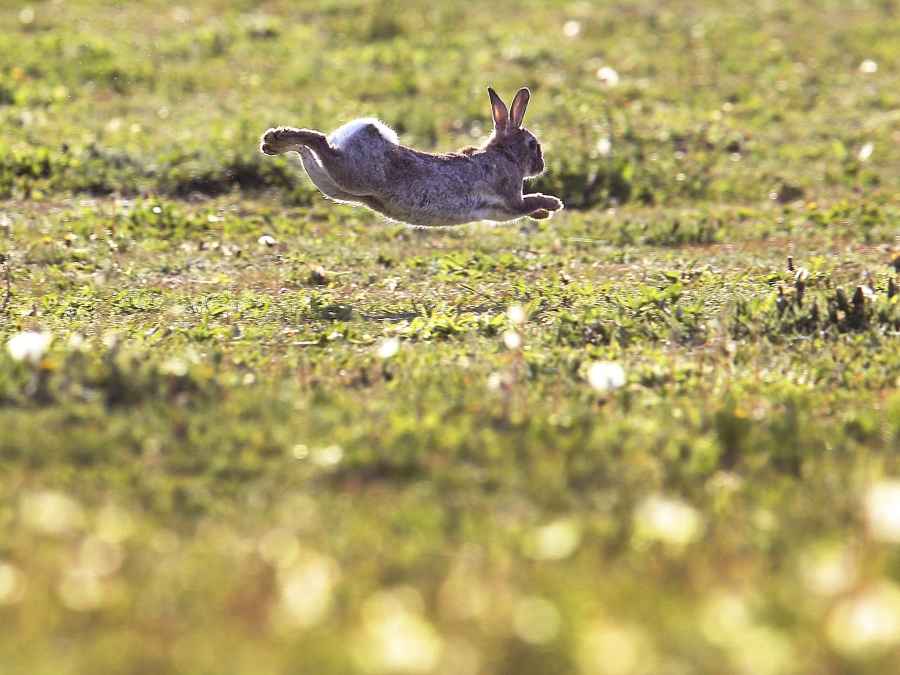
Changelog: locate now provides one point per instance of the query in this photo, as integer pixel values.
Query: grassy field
(272, 434)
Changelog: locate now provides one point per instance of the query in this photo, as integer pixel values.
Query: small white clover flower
(494, 381)
(604, 147)
(608, 76)
(669, 520)
(866, 151)
(28, 346)
(517, 314)
(868, 67)
(606, 375)
(328, 457)
(388, 347)
(881, 505)
(512, 339)
(571, 29)
(866, 623)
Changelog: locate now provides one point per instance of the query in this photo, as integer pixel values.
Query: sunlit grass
(247, 430)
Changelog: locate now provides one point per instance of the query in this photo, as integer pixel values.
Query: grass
(338, 450)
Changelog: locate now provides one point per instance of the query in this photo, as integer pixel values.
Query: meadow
(269, 434)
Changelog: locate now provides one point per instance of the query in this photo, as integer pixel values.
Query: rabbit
(363, 162)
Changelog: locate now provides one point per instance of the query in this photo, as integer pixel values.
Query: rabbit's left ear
(499, 112)
(517, 112)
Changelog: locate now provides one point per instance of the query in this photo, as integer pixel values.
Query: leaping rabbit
(363, 162)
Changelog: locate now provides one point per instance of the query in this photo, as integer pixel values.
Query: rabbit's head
(510, 138)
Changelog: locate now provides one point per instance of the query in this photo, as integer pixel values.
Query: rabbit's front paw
(551, 203)
(540, 214)
(539, 202)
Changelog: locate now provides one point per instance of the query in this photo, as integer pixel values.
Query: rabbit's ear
(520, 102)
(499, 111)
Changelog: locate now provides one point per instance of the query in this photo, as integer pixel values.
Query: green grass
(218, 466)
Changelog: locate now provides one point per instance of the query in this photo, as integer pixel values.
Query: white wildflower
(608, 76)
(388, 347)
(669, 520)
(512, 339)
(606, 375)
(866, 623)
(28, 346)
(556, 541)
(868, 67)
(866, 151)
(394, 637)
(517, 314)
(604, 147)
(882, 510)
(328, 457)
(571, 29)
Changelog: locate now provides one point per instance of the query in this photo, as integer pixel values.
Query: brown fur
(361, 163)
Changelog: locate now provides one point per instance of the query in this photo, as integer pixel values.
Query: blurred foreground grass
(338, 450)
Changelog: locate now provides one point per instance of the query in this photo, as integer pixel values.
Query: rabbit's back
(342, 137)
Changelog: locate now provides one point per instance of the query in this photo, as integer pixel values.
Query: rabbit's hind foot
(284, 139)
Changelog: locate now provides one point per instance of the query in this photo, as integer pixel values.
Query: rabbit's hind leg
(284, 139)
(322, 179)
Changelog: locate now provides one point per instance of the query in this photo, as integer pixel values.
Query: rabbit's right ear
(520, 102)
(499, 112)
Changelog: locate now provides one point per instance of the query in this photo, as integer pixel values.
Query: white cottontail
(363, 162)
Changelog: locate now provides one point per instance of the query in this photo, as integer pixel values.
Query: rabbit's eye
(532, 143)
